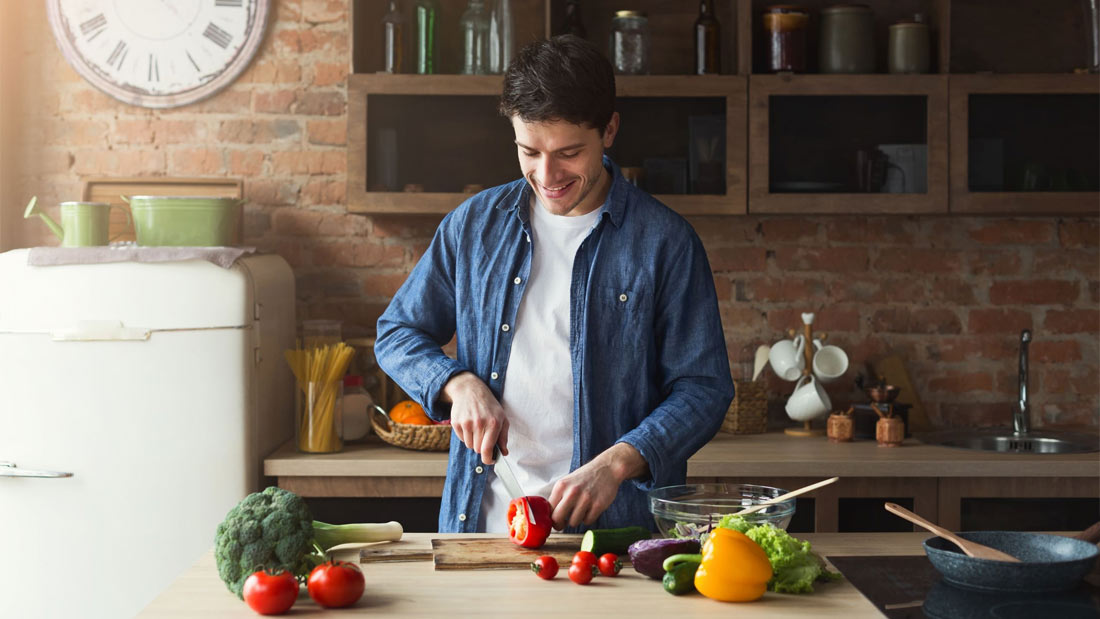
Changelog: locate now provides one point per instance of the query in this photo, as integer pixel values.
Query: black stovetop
(909, 587)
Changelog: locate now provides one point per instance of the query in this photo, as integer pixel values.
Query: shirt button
(462, 517)
(479, 470)
(516, 280)
(504, 327)
(493, 376)
(622, 297)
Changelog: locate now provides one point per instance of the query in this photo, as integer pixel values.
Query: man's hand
(476, 415)
(584, 494)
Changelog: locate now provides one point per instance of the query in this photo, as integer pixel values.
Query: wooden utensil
(972, 549)
(488, 553)
(784, 497)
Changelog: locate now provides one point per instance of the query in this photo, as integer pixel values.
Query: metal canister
(630, 43)
(909, 50)
(847, 42)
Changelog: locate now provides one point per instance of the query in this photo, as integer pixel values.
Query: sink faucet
(1021, 417)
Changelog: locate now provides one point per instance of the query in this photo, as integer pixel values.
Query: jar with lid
(847, 43)
(630, 43)
(785, 37)
(908, 48)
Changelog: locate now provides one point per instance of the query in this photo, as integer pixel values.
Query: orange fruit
(407, 411)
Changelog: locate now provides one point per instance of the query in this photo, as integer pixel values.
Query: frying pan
(1047, 562)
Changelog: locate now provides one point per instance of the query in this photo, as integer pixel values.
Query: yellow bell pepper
(734, 568)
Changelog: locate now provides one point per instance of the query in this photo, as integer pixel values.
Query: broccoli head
(272, 529)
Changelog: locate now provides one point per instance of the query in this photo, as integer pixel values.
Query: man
(589, 345)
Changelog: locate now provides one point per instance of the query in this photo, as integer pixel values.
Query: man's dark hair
(563, 78)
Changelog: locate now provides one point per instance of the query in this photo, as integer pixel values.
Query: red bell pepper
(520, 528)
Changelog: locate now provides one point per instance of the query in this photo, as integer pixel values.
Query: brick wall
(950, 295)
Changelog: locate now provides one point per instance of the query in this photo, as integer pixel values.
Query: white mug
(830, 362)
(787, 359)
(809, 400)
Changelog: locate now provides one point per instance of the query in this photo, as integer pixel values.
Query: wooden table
(415, 589)
(935, 478)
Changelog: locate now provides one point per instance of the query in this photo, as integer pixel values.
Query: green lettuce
(795, 566)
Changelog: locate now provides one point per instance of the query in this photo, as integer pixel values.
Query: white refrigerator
(137, 402)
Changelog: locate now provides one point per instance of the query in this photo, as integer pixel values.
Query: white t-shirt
(538, 386)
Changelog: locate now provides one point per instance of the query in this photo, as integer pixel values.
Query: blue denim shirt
(648, 353)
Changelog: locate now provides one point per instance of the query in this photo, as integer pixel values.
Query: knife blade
(507, 476)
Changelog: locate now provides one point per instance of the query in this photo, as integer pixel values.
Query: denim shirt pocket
(625, 315)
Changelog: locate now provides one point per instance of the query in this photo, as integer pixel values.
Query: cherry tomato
(582, 573)
(335, 584)
(609, 564)
(270, 593)
(584, 557)
(546, 567)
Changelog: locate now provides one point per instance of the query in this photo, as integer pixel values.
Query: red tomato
(270, 594)
(335, 584)
(581, 573)
(584, 557)
(609, 564)
(546, 567)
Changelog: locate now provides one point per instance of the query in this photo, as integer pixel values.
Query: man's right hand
(476, 415)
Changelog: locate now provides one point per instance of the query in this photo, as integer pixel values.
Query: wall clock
(159, 53)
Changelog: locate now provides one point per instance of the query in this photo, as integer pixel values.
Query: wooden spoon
(784, 497)
(972, 549)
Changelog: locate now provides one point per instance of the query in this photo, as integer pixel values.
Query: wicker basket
(436, 437)
(748, 413)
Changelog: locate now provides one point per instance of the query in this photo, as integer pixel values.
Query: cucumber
(599, 541)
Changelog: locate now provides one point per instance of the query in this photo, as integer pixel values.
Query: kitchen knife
(508, 477)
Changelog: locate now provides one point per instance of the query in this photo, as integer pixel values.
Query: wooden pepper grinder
(839, 426)
(890, 430)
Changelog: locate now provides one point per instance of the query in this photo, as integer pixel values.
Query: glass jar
(475, 38)
(630, 43)
(847, 39)
(785, 37)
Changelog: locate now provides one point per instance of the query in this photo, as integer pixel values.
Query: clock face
(159, 53)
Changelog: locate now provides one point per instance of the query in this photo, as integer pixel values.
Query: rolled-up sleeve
(693, 366)
(419, 321)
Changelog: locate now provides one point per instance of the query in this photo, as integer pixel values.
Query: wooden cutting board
(501, 553)
(402, 550)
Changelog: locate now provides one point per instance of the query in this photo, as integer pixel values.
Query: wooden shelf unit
(965, 201)
(763, 87)
(746, 98)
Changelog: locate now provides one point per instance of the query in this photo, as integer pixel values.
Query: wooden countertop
(416, 589)
(754, 455)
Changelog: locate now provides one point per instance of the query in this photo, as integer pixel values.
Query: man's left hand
(581, 496)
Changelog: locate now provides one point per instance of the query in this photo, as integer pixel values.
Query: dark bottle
(426, 13)
(573, 23)
(393, 39)
(708, 40)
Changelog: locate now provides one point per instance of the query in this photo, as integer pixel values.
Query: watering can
(83, 224)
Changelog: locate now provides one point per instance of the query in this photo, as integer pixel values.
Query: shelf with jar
(411, 133)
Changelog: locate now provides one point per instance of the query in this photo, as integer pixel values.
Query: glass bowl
(693, 510)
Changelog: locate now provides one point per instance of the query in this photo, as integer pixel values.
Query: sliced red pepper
(520, 528)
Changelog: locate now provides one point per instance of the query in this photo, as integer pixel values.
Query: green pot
(192, 221)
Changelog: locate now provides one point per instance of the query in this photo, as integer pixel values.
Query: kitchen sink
(1004, 440)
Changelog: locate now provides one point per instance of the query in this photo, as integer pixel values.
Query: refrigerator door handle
(10, 469)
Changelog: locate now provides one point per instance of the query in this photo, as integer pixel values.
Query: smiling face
(563, 163)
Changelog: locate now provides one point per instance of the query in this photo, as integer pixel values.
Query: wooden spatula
(972, 549)
(785, 496)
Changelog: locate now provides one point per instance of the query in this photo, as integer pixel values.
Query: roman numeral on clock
(94, 26)
(118, 56)
(154, 69)
(220, 37)
(230, 3)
